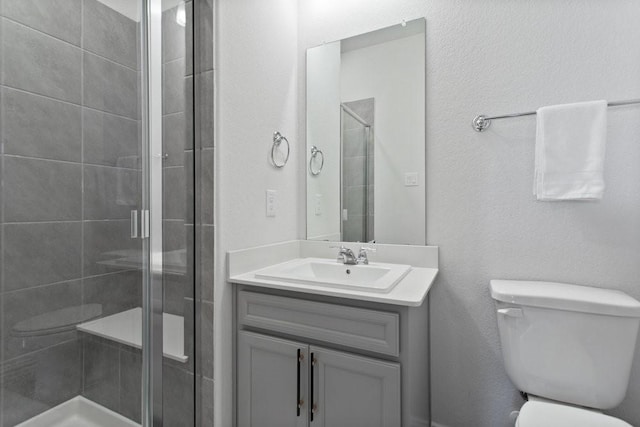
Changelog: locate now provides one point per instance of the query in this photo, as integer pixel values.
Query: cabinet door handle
(298, 401)
(312, 406)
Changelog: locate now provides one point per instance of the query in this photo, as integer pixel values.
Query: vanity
(330, 332)
(316, 348)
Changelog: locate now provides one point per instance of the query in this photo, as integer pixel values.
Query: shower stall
(106, 213)
(357, 170)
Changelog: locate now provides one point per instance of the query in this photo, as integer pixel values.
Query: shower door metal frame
(152, 250)
(152, 195)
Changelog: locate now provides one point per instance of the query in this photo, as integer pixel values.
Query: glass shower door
(96, 224)
(72, 168)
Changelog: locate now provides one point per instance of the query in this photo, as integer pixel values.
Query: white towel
(570, 149)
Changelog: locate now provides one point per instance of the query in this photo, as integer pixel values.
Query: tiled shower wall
(186, 136)
(358, 162)
(113, 370)
(205, 229)
(69, 167)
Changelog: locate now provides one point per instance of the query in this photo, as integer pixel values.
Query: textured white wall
(256, 66)
(503, 56)
(393, 74)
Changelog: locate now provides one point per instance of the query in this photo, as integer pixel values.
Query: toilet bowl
(552, 337)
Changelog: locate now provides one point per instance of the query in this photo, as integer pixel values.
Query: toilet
(569, 348)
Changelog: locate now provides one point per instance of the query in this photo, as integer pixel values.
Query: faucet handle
(362, 254)
(345, 255)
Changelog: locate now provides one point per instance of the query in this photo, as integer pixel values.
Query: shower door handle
(141, 218)
(134, 224)
(145, 225)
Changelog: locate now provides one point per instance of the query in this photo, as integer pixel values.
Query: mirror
(366, 137)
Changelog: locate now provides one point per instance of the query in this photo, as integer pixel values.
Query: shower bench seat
(126, 328)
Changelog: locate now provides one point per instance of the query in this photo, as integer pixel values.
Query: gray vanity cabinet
(354, 391)
(271, 379)
(345, 390)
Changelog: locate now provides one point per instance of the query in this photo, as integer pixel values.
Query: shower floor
(79, 412)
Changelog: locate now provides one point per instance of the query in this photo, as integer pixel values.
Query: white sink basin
(375, 277)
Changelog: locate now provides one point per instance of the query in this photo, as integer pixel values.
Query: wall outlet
(318, 205)
(411, 179)
(271, 203)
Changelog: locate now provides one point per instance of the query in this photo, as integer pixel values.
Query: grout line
(82, 181)
(18, 156)
(113, 61)
(106, 220)
(40, 350)
(96, 276)
(119, 387)
(2, 243)
(21, 24)
(82, 365)
(80, 105)
(71, 221)
(74, 221)
(173, 114)
(181, 58)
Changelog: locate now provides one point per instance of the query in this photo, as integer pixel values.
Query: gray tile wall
(177, 192)
(69, 123)
(69, 130)
(358, 158)
(205, 224)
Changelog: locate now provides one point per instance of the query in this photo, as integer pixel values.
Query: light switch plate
(271, 203)
(318, 206)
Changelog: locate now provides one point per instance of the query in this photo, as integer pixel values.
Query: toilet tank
(570, 343)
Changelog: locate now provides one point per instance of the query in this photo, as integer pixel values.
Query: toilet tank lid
(563, 296)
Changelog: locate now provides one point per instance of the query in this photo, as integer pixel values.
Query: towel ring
(314, 153)
(277, 140)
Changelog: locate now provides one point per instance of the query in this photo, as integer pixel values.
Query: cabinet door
(272, 378)
(354, 391)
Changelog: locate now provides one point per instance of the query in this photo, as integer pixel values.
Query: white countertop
(410, 291)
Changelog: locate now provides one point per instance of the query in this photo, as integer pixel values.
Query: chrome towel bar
(481, 123)
(277, 141)
(315, 152)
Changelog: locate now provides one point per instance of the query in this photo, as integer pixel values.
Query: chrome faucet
(346, 255)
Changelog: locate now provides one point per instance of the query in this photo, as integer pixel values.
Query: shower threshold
(79, 412)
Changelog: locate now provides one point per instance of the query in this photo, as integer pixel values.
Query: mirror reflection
(366, 137)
